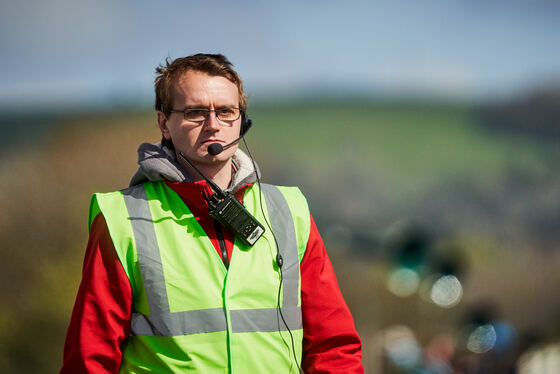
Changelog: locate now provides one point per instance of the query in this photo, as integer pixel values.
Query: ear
(162, 123)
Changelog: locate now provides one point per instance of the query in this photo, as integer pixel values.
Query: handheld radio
(225, 208)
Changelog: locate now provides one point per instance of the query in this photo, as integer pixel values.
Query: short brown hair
(211, 64)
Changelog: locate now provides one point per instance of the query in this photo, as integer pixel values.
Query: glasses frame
(208, 111)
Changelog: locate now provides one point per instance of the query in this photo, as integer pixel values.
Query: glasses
(200, 115)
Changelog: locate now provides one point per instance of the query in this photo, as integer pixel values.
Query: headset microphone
(216, 148)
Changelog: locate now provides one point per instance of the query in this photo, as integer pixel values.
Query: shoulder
(136, 191)
(291, 194)
(117, 203)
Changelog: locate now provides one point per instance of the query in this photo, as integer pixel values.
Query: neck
(218, 172)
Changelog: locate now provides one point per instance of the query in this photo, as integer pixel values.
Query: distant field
(411, 147)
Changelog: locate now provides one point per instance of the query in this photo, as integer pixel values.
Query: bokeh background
(425, 134)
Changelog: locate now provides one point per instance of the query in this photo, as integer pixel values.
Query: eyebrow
(206, 108)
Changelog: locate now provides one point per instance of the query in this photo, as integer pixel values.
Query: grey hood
(157, 162)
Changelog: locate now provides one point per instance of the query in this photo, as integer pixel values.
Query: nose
(212, 121)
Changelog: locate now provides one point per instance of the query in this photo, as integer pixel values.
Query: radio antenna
(213, 185)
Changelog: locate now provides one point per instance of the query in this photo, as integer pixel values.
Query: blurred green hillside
(364, 166)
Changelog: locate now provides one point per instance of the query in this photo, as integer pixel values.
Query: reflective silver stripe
(161, 322)
(149, 258)
(283, 227)
(179, 323)
(251, 320)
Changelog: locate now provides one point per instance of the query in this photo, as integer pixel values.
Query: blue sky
(64, 51)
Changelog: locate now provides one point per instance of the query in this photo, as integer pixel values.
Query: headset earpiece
(246, 124)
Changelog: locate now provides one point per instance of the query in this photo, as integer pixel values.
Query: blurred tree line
(534, 114)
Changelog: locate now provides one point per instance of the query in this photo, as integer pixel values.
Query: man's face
(197, 90)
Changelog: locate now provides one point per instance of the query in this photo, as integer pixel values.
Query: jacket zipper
(222, 242)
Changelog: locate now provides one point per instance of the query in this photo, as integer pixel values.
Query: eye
(226, 111)
(196, 112)
(227, 114)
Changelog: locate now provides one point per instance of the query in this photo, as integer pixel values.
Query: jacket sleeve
(330, 341)
(100, 320)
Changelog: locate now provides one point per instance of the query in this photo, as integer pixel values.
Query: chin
(208, 158)
(219, 158)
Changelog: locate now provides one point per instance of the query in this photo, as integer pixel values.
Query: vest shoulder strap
(286, 202)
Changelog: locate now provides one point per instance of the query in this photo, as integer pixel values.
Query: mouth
(209, 141)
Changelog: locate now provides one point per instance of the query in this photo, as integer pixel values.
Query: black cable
(279, 261)
(279, 311)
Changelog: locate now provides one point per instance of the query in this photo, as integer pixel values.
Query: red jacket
(100, 320)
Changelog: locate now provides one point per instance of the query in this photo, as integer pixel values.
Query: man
(168, 288)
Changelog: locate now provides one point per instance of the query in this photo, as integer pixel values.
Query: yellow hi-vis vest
(190, 313)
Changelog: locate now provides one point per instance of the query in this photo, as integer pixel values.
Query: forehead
(199, 88)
